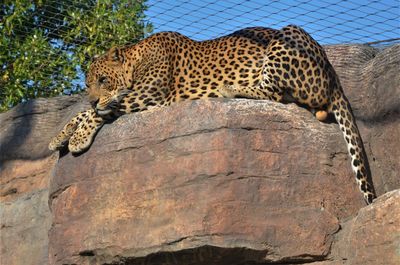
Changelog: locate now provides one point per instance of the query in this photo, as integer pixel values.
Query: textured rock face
(373, 237)
(24, 214)
(234, 175)
(26, 167)
(219, 176)
(207, 182)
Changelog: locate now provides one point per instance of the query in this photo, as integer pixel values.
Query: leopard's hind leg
(231, 91)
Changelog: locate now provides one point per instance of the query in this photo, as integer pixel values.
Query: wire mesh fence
(329, 21)
(45, 46)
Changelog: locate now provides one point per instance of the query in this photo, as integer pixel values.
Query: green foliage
(45, 44)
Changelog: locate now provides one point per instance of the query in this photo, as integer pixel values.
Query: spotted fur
(285, 65)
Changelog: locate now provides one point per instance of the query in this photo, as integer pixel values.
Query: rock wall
(207, 182)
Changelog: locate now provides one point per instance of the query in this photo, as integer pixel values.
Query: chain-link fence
(328, 21)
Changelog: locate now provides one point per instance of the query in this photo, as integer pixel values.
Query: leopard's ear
(115, 55)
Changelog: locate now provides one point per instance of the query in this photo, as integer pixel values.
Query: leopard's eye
(102, 79)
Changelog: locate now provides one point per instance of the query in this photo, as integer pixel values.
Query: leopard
(285, 66)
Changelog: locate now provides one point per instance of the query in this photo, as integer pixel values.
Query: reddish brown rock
(373, 236)
(235, 174)
(382, 143)
(24, 215)
(25, 169)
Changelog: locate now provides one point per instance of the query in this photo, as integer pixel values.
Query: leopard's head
(107, 81)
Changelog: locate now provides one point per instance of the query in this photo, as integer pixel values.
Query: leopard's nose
(94, 103)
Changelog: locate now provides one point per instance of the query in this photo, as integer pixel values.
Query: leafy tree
(46, 44)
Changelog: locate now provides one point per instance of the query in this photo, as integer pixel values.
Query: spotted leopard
(285, 65)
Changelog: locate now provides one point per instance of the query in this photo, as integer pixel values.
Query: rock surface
(26, 167)
(373, 236)
(207, 182)
(25, 218)
(220, 176)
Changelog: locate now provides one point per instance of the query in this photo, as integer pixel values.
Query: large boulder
(207, 182)
(256, 176)
(234, 174)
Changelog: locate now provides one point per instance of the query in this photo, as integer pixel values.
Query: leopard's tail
(341, 109)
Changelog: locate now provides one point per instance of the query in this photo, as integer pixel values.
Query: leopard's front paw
(84, 134)
(79, 132)
(57, 143)
(79, 142)
(62, 137)
(70, 129)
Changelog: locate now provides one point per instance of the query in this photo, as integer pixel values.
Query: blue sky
(329, 21)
